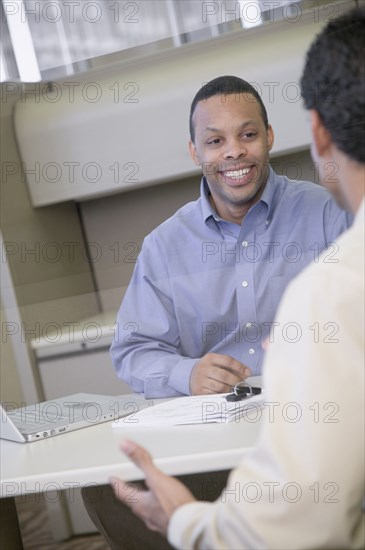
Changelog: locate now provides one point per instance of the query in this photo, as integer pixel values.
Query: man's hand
(216, 373)
(156, 506)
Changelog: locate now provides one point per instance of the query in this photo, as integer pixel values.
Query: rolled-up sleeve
(145, 350)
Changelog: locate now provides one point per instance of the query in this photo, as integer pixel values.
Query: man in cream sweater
(323, 372)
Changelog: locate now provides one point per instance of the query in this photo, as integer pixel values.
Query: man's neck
(232, 215)
(235, 213)
(351, 176)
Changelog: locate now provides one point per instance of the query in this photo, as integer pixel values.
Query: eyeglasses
(242, 390)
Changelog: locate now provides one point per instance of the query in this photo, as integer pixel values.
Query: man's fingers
(125, 492)
(142, 458)
(216, 373)
(154, 506)
(227, 363)
(235, 367)
(135, 498)
(139, 455)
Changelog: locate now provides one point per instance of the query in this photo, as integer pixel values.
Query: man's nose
(235, 149)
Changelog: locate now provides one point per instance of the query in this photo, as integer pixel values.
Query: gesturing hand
(156, 505)
(216, 373)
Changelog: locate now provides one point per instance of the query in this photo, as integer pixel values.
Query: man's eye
(249, 135)
(214, 141)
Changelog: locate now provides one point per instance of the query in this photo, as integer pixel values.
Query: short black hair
(333, 81)
(225, 85)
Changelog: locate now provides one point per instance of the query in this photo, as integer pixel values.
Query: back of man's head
(333, 81)
(225, 85)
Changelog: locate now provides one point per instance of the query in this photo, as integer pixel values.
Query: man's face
(232, 145)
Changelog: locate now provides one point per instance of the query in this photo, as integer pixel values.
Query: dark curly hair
(333, 81)
(224, 85)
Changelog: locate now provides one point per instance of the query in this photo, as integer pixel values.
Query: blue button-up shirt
(202, 284)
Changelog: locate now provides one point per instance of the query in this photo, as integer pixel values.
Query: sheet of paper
(197, 409)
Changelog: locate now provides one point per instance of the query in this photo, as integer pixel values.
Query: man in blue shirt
(208, 281)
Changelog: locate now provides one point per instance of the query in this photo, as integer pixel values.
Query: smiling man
(232, 140)
(208, 281)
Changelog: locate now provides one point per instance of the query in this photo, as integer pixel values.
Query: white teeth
(237, 173)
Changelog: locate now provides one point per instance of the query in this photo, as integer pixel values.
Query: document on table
(197, 409)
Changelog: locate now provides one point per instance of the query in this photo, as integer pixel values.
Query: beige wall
(51, 287)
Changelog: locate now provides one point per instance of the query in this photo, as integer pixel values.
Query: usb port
(61, 429)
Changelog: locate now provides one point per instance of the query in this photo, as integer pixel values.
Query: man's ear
(270, 136)
(321, 137)
(193, 153)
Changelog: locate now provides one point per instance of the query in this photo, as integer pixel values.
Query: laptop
(62, 415)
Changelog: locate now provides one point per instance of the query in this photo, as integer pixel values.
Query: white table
(91, 455)
(66, 463)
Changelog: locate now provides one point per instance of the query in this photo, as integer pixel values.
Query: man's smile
(238, 176)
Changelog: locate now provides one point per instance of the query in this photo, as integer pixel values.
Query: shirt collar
(208, 210)
(269, 197)
(271, 193)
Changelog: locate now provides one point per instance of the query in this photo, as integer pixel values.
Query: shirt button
(267, 222)
(251, 351)
(244, 283)
(244, 243)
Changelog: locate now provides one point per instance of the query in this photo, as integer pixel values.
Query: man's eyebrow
(211, 129)
(241, 127)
